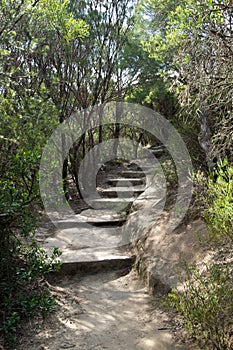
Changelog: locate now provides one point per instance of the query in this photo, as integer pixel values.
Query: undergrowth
(23, 292)
(205, 300)
(23, 264)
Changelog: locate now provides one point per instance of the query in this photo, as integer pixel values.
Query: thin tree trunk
(119, 111)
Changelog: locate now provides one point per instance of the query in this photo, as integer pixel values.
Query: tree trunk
(119, 110)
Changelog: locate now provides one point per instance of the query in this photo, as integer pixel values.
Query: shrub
(23, 293)
(23, 263)
(215, 199)
(206, 305)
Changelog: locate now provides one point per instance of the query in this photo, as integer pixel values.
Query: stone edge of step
(90, 267)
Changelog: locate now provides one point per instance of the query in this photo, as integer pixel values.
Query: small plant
(206, 305)
(169, 171)
(217, 201)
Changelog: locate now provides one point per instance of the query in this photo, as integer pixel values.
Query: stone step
(90, 254)
(119, 192)
(117, 204)
(92, 217)
(122, 182)
(157, 150)
(94, 261)
(89, 249)
(99, 213)
(133, 174)
(145, 166)
(79, 238)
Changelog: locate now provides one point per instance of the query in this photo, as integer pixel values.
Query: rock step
(117, 204)
(157, 150)
(145, 166)
(97, 214)
(91, 262)
(80, 240)
(101, 222)
(147, 169)
(122, 182)
(89, 249)
(92, 217)
(133, 174)
(93, 255)
(112, 192)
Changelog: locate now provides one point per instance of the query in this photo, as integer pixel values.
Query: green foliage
(193, 43)
(38, 262)
(22, 292)
(206, 299)
(55, 16)
(154, 93)
(22, 263)
(169, 171)
(206, 305)
(218, 201)
(175, 22)
(147, 87)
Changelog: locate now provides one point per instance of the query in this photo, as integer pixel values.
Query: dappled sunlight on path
(116, 313)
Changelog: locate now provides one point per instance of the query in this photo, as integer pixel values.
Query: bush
(23, 292)
(23, 263)
(215, 198)
(206, 305)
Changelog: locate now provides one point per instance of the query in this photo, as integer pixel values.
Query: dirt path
(103, 311)
(108, 310)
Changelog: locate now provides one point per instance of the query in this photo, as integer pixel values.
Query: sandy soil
(104, 311)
